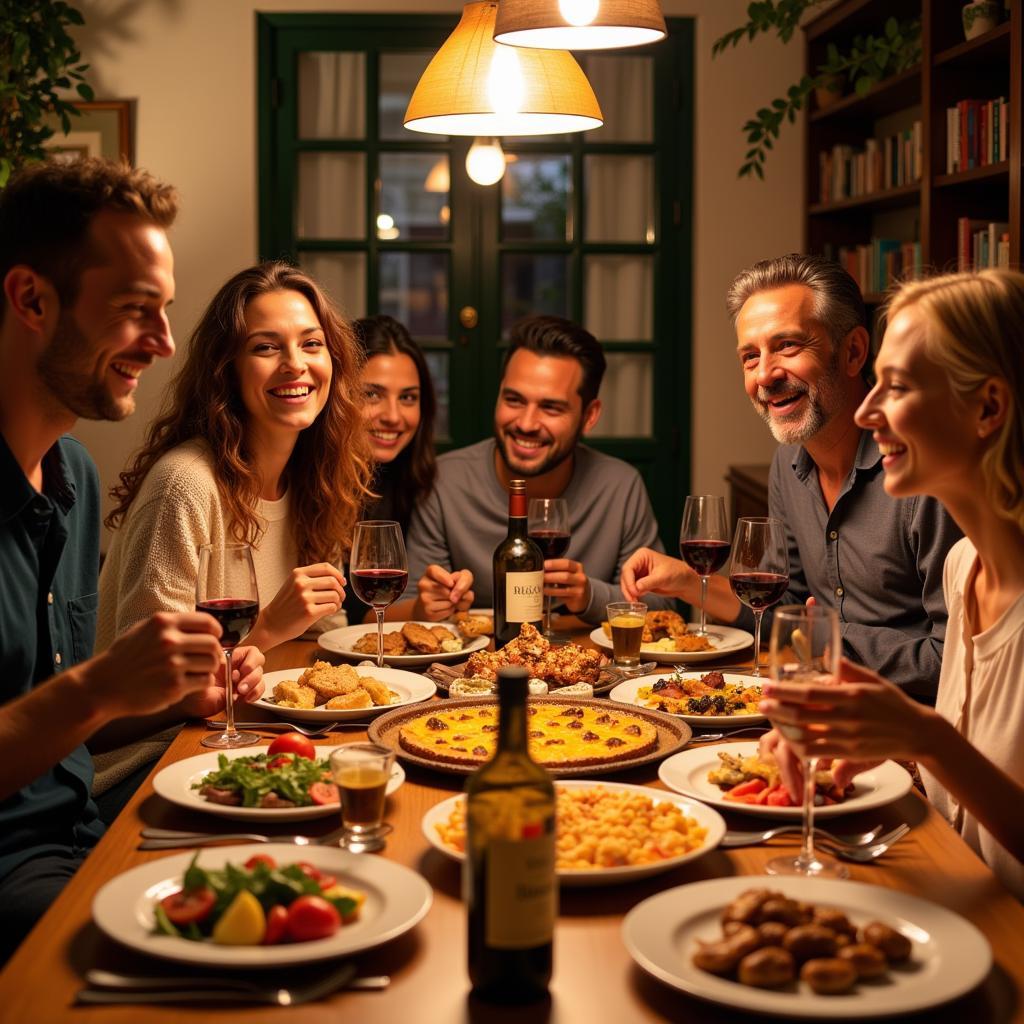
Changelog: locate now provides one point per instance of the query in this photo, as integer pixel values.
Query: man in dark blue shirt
(87, 275)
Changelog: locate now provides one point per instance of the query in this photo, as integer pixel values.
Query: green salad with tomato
(256, 904)
(281, 777)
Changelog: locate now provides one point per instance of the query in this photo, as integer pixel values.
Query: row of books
(976, 134)
(981, 244)
(882, 261)
(845, 172)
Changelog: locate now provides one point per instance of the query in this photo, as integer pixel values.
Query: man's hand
(156, 663)
(566, 581)
(309, 593)
(442, 593)
(652, 572)
(247, 676)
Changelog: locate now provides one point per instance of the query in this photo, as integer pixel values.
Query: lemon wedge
(243, 923)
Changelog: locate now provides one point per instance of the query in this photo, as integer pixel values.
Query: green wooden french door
(594, 226)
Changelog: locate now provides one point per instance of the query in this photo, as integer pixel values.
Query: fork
(861, 843)
(144, 983)
(866, 854)
(311, 733)
(169, 839)
(714, 737)
(239, 992)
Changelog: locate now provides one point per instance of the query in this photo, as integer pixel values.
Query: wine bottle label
(524, 596)
(521, 900)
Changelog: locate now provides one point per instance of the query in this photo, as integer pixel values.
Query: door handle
(468, 317)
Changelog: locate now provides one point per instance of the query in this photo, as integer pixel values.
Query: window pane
(411, 196)
(332, 196)
(332, 98)
(342, 275)
(531, 285)
(399, 73)
(618, 297)
(625, 88)
(414, 290)
(439, 363)
(619, 198)
(535, 199)
(626, 396)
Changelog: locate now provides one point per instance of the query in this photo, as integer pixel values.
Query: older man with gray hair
(803, 348)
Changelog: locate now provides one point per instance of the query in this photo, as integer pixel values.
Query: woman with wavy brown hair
(261, 440)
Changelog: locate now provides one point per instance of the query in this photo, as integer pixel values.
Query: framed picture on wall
(104, 128)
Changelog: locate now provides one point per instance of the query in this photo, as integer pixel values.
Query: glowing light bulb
(485, 161)
(386, 227)
(579, 12)
(505, 86)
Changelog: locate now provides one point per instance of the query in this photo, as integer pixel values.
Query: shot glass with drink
(626, 619)
(361, 772)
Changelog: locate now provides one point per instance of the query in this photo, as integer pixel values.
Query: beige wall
(191, 67)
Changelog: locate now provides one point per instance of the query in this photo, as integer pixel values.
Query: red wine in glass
(705, 557)
(236, 616)
(759, 589)
(379, 586)
(552, 543)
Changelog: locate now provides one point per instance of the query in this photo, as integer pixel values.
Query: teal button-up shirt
(49, 565)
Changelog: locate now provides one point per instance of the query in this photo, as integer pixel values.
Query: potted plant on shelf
(37, 58)
(870, 59)
(979, 17)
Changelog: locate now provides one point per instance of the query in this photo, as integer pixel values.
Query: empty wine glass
(704, 542)
(226, 589)
(378, 569)
(759, 572)
(548, 526)
(805, 648)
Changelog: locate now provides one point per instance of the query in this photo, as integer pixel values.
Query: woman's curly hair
(330, 470)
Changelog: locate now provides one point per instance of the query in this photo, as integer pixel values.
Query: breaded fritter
(421, 639)
(292, 694)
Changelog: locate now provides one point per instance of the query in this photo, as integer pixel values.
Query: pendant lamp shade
(579, 24)
(474, 86)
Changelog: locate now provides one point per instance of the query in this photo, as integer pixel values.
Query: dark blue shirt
(49, 564)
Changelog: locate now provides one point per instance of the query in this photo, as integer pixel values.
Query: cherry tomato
(184, 908)
(280, 761)
(321, 878)
(324, 793)
(260, 858)
(312, 917)
(277, 925)
(292, 743)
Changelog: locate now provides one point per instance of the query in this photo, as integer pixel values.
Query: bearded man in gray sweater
(547, 402)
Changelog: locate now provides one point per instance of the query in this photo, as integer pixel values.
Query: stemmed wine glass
(548, 526)
(226, 589)
(805, 648)
(759, 573)
(378, 569)
(704, 542)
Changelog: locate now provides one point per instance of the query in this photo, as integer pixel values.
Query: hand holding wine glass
(548, 528)
(759, 573)
(378, 569)
(226, 589)
(704, 542)
(805, 649)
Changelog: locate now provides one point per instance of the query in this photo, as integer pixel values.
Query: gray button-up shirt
(876, 559)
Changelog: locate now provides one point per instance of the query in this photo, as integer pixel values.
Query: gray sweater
(466, 516)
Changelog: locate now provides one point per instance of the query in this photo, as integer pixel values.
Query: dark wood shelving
(975, 174)
(888, 96)
(903, 195)
(974, 51)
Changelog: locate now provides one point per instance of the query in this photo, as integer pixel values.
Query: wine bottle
(509, 872)
(518, 573)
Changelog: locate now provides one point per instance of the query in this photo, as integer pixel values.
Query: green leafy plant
(37, 58)
(870, 60)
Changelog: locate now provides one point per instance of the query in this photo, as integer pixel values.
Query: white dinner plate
(705, 816)
(724, 640)
(950, 956)
(626, 693)
(174, 783)
(340, 641)
(687, 773)
(410, 687)
(396, 899)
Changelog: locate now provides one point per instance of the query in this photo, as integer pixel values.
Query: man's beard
(61, 368)
(823, 401)
(555, 458)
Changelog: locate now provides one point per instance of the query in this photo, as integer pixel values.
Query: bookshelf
(926, 210)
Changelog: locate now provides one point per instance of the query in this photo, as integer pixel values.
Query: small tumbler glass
(361, 772)
(626, 620)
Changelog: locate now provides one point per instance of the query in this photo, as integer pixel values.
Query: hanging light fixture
(474, 86)
(579, 24)
(485, 162)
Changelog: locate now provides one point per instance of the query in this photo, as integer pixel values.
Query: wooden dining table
(595, 980)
